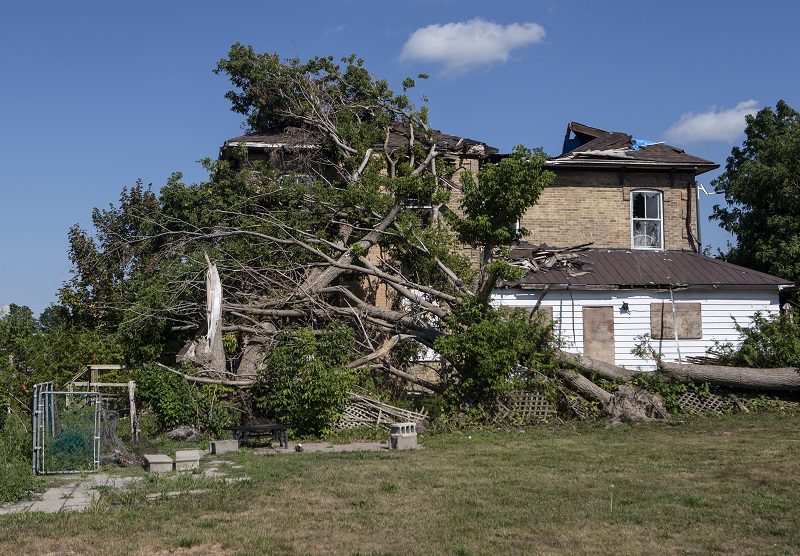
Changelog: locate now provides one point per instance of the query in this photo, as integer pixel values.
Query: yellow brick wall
(594, 206)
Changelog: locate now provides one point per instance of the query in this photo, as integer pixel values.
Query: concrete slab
(186, 460)
(224, 446)
(158, 463)
(176, 493)
(49, 506)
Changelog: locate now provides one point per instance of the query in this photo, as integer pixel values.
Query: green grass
(709, 485)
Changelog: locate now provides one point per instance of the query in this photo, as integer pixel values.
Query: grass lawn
(708, 485)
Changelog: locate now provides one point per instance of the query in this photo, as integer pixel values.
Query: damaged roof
(299, 138)
(594, 147)
(631, 269)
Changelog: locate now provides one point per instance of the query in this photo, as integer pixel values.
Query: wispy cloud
(458, 47)
(712, 125)
(333, 29)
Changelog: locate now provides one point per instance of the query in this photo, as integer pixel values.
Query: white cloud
(712, 125)
(461, 46)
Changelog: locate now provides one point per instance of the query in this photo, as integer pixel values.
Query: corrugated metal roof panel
(641, 268)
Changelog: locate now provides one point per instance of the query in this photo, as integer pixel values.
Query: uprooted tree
(356, 223)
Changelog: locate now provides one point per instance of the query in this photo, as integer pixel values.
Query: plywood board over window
(598, 333)
(687, 320)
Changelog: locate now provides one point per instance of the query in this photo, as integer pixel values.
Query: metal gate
(66, 431)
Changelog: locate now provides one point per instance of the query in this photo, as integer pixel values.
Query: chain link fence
(66, 431)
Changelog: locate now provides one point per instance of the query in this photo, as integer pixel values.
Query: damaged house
(636, 201)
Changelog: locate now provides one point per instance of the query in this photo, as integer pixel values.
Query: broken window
(687, 319)
(647, 223)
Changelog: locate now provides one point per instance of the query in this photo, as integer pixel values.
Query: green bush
(16, 477)
(306, 381)
(485, 347)
(176, 402)
(670, 391)
(766, 343)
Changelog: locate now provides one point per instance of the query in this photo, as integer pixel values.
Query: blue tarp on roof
(639, 143)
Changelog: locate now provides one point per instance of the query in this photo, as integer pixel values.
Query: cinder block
(403, 428)
(186, 460)
(403, 436)
(403, 441)
(158, 463)
(224, 446)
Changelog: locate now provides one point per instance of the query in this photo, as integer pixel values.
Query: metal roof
(620, 268)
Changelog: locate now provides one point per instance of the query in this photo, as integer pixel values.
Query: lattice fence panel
(525, 406)
(363, 411)
(690, 402)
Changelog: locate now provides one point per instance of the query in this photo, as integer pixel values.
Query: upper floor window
(647, 220)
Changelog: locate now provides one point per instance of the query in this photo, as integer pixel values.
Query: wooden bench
(276, 430)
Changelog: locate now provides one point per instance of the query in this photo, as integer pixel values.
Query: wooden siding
(718, 309)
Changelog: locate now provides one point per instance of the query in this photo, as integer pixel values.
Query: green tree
(761, 183)
(493, 206)
(348, 245)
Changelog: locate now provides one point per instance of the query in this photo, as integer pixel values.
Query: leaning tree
(321, 235)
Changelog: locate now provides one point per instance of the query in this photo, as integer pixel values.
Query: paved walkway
(74, 494)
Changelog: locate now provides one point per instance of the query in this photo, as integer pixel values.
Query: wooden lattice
(690, 402)
(363, 411)
(525, 406)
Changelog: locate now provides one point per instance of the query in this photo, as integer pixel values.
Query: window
(647, 223)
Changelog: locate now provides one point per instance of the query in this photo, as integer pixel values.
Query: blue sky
(97, 94)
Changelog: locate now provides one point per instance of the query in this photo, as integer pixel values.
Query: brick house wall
(582, 206)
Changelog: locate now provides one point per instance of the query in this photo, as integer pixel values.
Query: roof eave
(622, 164)
(653, 287)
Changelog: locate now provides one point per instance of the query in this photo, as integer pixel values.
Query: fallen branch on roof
(542, 258)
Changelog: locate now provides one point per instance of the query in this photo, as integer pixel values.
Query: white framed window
(647, 220)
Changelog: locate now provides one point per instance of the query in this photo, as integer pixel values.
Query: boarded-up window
(687, 319)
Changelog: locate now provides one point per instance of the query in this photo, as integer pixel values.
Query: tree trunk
(606, 370)
(782, 379)
(585, 387)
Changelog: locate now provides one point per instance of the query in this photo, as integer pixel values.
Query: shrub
(766, 343)
(176, 402)
(16, 477)
(482, 356)
(306, 381)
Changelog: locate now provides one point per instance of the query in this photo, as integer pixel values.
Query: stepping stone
(176, 493)
(158, 463)
(231, 480)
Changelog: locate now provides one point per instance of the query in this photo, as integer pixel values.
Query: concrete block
(158, 463)
(403, 441)
(186, 460)
(403, 436)
(403, 428)
(224, 446)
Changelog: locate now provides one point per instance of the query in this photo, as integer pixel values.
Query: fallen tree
(783, 379)
(601, 368)
(344, 217)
